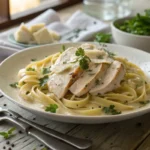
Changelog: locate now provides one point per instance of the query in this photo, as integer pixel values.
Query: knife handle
(49, 141)
(79, 143)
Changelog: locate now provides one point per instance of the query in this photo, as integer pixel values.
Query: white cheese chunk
(42, 36)
(23, 35)
(55, 35)
(36, 27)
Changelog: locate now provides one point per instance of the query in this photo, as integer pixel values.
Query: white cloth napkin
(80, 27)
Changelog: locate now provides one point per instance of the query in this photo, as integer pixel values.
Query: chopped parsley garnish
(111, 54)
(83, 59)
(52, 108)
(102, 37)
(84, 62)
(97, 82)
(111, 110)
(63, 48)
(45, 70)
(33, 59)
(100, 57)
(144, 102)
(27, 92)
(80, 52)
(30, 69)
(8, 133)
(14, 85)
(43, 80)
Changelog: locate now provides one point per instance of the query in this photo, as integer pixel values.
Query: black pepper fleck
(5, 105)
(9, 149)
(7, 142)
(4, 147)
(34, 118)
(139, 124)
(12, 145)
(20, 132)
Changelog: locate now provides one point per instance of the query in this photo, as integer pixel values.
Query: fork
(79, 143)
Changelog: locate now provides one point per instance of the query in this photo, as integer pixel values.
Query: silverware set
(51, 138)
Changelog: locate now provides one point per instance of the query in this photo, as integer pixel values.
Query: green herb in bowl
(139, 25)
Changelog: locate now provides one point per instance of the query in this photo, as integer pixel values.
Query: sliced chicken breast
(66, 60)
(111, 79)
(64, 73)
(60, 83)
(88, 79)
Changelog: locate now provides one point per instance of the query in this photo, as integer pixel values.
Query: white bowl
(137, 41)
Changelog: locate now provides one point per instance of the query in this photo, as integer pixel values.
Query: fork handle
(79, 143)
(49, 141)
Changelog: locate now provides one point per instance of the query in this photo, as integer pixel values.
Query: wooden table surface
(133, 134)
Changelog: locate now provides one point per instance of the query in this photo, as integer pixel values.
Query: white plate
(10, 67)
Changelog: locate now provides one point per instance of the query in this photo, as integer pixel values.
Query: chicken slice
(64, 73)
(111, 80)
(88, 79)
(66, 60)
(60, 83)
(98, 56)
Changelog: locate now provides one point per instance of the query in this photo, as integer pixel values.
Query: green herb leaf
(8, 133)
(43, 80)
(45, 70)
(111, 54)
(44, 148)
(33, 59)
(63, 49)
(80, 52)
(11, 130)
(84, 62)
(100, 57)
(111, 110)
(139, 24)
(102, 37)
(147, 12)
(14, 85)
(52, 108)
(144, 102)
(83, 59)
(97, 82)
(30, 69)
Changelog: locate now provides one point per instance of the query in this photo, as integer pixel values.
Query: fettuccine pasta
(131, 93)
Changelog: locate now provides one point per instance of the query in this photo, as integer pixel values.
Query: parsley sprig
(144, 102)
(45, 70)
(102, 37)
(14, 85)
(8, 134)
(30, 69)
(63, 48)
(52, 108)
(83, 59)
(111, 110)
(43, 81)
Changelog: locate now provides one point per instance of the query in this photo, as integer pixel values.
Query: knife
(79, 143)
